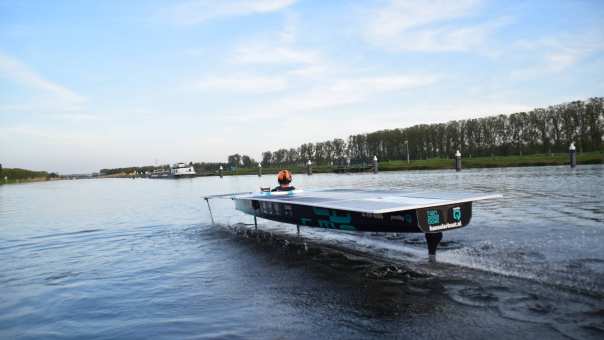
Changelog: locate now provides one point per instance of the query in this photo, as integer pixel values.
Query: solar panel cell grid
(369, 201)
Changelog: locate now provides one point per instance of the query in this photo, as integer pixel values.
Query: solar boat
(390, 211)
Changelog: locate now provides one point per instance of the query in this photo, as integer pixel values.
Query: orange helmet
(284, 177)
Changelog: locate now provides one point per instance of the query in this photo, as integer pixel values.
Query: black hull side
(425, 220)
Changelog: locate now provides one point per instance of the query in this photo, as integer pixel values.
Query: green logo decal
(457, 214)
(326, 224)
(333, 216)
(305, 221)
(433, 217)
(320, 211)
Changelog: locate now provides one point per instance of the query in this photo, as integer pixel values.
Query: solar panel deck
(367, 201)
(396, 211)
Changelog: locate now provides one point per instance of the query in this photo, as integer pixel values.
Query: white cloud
(282, 52)
(289, 33)
(332, 94)
(555, 54)
(300, 62)
(271, 54)
(17, 71)
(313, 82)
(243, 84)
(425, 26)
(309, 71)
(565, 52)
(345, 91)
(196, 12)
(559, 61)
(384, 83)
(400, 16)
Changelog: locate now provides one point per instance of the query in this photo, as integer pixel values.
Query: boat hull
(423, 220)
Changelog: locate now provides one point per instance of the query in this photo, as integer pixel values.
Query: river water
(140, 258)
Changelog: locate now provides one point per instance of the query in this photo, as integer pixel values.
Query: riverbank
(16, 175)
(596, 157)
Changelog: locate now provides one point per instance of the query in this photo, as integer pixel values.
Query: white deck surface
(368, 201)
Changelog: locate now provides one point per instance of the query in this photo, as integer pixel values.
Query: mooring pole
(298, 228)
(572, 154)
(375, 164)
(255, 222)
(220, 170)
(259, 170)
(457, 161)
(309, 167)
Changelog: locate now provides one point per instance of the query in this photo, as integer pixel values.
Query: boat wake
(458, 275)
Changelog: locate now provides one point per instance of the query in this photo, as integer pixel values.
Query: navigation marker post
(309, 167)
(220, 170)
(259, 170)
(572, 153)
(375, 164)
(457, 161)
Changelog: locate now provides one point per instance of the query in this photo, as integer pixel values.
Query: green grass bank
(596, 157)
(16, 175)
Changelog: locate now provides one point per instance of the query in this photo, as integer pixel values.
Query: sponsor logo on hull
(445, 226)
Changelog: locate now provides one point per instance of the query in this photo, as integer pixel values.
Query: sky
(86, 85)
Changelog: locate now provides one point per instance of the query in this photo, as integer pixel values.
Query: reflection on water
(139, 258)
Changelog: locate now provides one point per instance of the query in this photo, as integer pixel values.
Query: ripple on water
(574, 318)
(124, 258)
(467, 294)
(60, 278)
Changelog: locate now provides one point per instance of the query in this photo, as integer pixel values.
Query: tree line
(200, 168)
(23, 174)
(543, 130)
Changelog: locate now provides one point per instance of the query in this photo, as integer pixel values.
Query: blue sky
(91, 84)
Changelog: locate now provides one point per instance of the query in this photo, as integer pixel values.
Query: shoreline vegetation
(16, 175)
(594, 157)
(539, 137)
